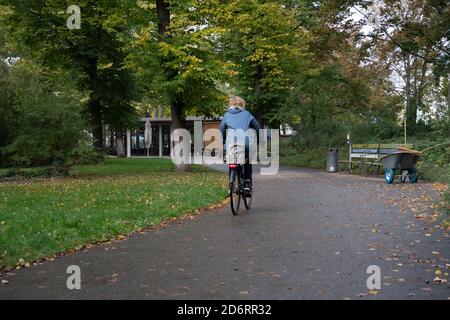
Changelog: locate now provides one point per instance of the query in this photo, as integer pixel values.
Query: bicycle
(237, 182)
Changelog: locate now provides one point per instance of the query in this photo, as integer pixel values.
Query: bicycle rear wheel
(235, 193)
(248, 202)
(247, 197)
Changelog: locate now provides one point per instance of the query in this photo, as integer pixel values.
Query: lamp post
(349, 142)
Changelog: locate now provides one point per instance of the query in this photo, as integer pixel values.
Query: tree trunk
(179, 122)
(259, 109)
(95, 110)
(421, 88)
(448, 97)
(410, 119)
(177, 107)
(95, 105)
(163, 13)
(120, 143)
(416, 93)
(178, 119)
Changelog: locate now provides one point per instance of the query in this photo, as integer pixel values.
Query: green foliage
(29, 173)
(50, 129)
(447, 205)
(95, 53)
(7, 112)
(183, 68)
(435, 164)
(413, 38)
(292, 153)
(267, 46)
(300, 62)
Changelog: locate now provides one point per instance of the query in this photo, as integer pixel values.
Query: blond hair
(237, 102)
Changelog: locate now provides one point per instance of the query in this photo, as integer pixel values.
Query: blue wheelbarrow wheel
(389, 175)
(413, 176)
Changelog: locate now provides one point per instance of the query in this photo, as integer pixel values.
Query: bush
(50, 133)
(50, 129)
(7, 111)
(84, 154)
(447, 203)
(435, 163)
(39, 172)
(295, 153)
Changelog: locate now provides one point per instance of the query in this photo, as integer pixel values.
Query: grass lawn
(97, 203)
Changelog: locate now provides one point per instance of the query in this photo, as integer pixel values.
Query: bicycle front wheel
(235, 194)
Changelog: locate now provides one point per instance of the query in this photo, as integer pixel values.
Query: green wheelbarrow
(402, 164)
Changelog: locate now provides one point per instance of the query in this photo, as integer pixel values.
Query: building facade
(153, 137)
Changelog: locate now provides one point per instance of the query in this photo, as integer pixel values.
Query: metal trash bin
(332, 160)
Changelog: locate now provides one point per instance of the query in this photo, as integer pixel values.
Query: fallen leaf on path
(438, 280)
(361, 295)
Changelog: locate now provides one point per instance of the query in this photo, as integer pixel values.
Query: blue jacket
(238, 119)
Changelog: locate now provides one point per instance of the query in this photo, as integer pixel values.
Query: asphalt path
(309, 235)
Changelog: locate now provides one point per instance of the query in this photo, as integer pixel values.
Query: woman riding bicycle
(237, 118)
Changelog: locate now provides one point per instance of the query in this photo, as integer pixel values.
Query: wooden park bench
(369, 155)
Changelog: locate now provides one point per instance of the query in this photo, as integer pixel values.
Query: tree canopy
(320, 66)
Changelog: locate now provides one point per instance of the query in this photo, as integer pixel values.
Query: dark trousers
(248, 171)
(248, 168)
